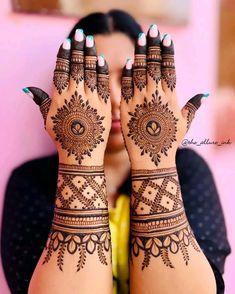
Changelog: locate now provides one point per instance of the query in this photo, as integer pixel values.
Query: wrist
(87, 161)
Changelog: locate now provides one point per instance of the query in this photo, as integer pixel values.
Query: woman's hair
(107, 23)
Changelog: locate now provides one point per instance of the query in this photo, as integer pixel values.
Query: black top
(29, 204)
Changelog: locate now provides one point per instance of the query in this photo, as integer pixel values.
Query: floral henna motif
(153, 128)
(77, 67)
(80, 231)
(90, 72)
(139, 72)
(127, 88)
(103, 87)
(159, 226)
(191, 113)
(61, 74)
(168, 70)
(78, 127)
(154, 63)
(44, 108)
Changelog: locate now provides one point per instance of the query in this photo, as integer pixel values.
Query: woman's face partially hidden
(116, 47)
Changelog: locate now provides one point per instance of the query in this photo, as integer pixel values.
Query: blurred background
(204, 37)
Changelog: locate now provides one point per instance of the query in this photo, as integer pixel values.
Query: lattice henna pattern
(153, 128)
(78, 127)
(83, 230)
(159, 226)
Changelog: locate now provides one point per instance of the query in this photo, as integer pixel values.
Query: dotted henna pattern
(153, 127)
(168, 70)
(78, 127)
(77, 67)
(139, 72)
(154, 63)
(103, 86)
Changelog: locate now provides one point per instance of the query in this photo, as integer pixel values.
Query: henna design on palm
(153, 127)
(61, 73)
(78, 127)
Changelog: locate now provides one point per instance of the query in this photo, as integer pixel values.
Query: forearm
(165, 256)
(78, 249)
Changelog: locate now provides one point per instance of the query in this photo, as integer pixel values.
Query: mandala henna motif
(154, 63)
(153, 128)
(168, 70)
(103, 87)
(90, 72)
(80, 232)
(78, 127)
(127, 88)
(61, 74)
(77, 66)
(159, 226)
(139, 71)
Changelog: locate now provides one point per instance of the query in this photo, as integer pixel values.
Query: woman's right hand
(78, 115)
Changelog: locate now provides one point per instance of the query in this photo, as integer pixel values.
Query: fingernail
(101, 60)
(78, 35)
(153, 32)
(89, 41)
(26, 91)
(206, 95)
(166, 40)
(129, 63)
(67, 44)
(141, 39)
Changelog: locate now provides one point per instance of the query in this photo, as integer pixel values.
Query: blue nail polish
(90, 37)
(165, 36)
(69, 40)
(81, 30)
(102, 55)
(140, 35)
(206, 95)
(152, 25)
(26, 90)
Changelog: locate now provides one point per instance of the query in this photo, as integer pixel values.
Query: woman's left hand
(152, 122)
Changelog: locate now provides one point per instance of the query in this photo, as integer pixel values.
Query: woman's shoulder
(188, 159)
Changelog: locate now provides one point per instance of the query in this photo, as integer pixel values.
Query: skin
(152, 222)
(116, 157)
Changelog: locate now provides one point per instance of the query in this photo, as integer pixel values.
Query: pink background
(27, 50)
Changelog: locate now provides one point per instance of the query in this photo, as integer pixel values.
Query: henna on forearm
(80, 225)
(159, 226)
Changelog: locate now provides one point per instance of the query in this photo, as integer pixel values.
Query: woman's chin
(115, 142)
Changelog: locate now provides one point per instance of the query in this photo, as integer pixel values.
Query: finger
(90, 65)
(41, 98)
(153, 58)
(190, 108)
(168, 64)
(127, 86)
(61, 73)
(139, 67)
(103, 79)
(77, 59)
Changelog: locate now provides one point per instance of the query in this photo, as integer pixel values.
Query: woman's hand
(153, 124)
(78, 115)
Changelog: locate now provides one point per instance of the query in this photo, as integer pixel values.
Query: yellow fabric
(119, 220)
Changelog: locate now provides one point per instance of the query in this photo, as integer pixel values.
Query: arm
(165, 256)
(77, 256)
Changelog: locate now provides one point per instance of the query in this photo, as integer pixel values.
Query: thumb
(41, 98)
(190, 108)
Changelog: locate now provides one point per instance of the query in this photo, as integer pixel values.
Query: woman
(156, 259)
